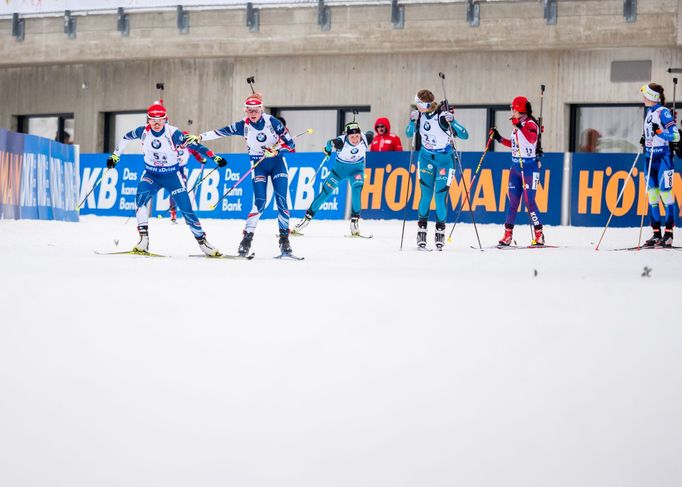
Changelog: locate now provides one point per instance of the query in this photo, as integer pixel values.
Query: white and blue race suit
(162, 170)
(265, 133)
(659, 131)
(348, 164)
(436, 163)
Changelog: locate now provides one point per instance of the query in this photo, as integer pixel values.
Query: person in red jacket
(384, 140)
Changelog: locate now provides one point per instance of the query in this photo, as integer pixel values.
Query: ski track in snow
(362, 365)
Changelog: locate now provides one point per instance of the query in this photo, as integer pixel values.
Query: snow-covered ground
(362, 366)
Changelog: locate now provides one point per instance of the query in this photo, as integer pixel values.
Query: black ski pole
(80, 205)
(539, 152)
(625, 185)
(409, 180)
(251, 80)
(674, 146)
(473, 180)
(160, 87)
(456, 157)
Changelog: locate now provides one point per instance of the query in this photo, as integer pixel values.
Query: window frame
(22, 123)
(489, 116)
(108, 144)
(341, 111)
(573, 118)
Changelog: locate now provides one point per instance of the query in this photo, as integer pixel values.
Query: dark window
(117, 124)
(327, 122)
(606, 128)
(58, 126)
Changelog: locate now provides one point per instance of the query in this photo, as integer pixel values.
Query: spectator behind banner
(384, 140)
(589, 141)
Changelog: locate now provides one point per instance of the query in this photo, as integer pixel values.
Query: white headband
(650, 94)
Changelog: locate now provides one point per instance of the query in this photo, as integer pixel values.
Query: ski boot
(421, 234)
(440, 235)
(143, 244)
(539, 236)
(355, 225)
(207, 248)
(302, 224)
(174, 215)
(245, 244)
(667, 240)
(506, 240)
(655, 239)
(284, 245)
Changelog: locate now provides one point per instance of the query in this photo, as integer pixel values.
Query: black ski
(658, 247)
(226, 256)
(130, 252)
(517, 247)
(288, 256)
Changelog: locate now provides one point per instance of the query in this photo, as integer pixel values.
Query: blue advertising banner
(385, 190)
(115, 195)
(596, 182)
(38, 178)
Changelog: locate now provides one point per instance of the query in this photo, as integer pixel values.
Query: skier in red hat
(161, 144)
(524, 175)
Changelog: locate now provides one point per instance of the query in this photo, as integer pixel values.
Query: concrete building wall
(361, 61)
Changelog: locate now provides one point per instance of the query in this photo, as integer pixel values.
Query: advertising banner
(38, 178)
(386, 188)
(115, 195)
(596, 182)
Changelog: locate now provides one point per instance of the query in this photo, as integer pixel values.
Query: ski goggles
(424, 105)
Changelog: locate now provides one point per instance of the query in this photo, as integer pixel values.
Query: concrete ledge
(429, 28)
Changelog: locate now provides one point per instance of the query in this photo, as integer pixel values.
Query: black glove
(112, 161)
(656, 128)
(641, 142)
(338, 143)
(678, 152)
(220, 161)
(496, 135)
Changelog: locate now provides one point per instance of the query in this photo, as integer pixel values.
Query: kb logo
(156, 143)
(261, 137)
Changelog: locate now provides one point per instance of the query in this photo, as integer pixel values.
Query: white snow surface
(362, 366)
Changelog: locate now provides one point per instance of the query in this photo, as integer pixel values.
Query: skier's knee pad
(667, 197)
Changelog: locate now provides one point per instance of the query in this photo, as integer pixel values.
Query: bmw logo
(429, 166)
(261, 137)
(181, 152)
(354, 151)
(427, 126)
(156, 143)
